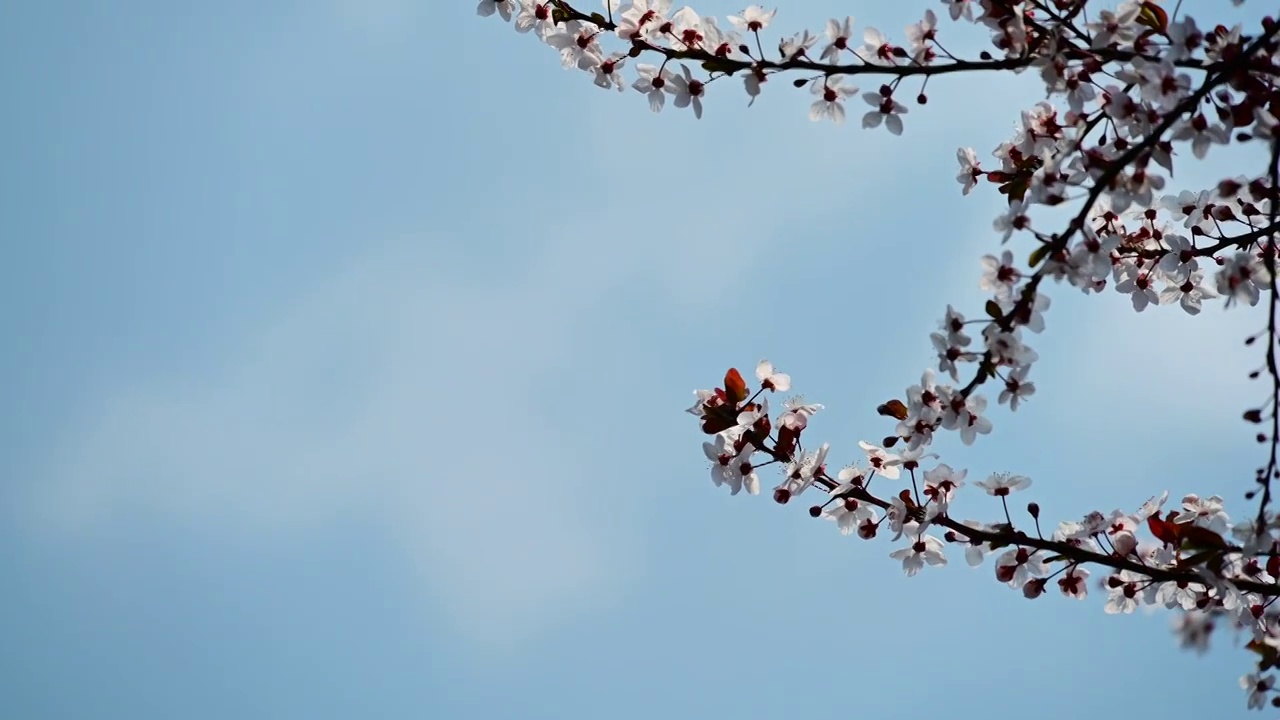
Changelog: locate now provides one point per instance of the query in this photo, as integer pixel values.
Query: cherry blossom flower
(688, 29)
(1016, 388)
(1259, 687)
(851, 476)
(486, 8)
(1018, 565)
(959, 8)
(1194, 630)
(1184, 38)
(753, 19)
(975, 551)
(849, 514)
(838, 34)
(882, 461)
(1126, 590)
(925, 550)
(1179, 594)
(1205, 512)
(652, 81)
(687, 89)
(1265, 124)
(969, 169)
(798, 413)
(535, 16)
(875, 49)
(1190, 293)
(940, 485)
(1014, 218)
(1073, 582)
(999, 275)
(966, 416)
(577, 45)
(797, 46)
(770, 379)
(1180, 256)
(725, 460)
(1151, 507)
(1002, 484)
(1236, 280)
(800, 474)
(901, 520)
(607, 74)
(1115, 27)
(887, 110)
(921, 34)
(831, 94)
(1201, 133)
(1138, 285)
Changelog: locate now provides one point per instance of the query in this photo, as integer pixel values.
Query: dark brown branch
(1071, 552)
(1241, 241)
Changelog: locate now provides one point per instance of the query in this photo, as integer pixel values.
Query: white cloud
(376, 17)
(394, 392)
(412, 390)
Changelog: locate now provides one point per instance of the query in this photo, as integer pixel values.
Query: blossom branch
(1077, 554)
(1059, 243)
(1151, 105)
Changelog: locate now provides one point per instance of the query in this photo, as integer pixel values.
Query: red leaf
(787, 439)
(1194, 536)
(894, 409)
(718, 419)
(1154, 17)
(905, 497)
(734, 386)
(1165, 532)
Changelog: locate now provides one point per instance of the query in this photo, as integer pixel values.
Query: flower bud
(867, 529)
(815, 511)
(1124, 542)
(1034, 510)
(1033, 589)
(781, 496)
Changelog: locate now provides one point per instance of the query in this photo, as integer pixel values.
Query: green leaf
(1038, 255)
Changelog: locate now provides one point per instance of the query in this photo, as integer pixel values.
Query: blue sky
(349, 348)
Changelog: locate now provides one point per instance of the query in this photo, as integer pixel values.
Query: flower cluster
(1191, 558)
(1127, 90)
